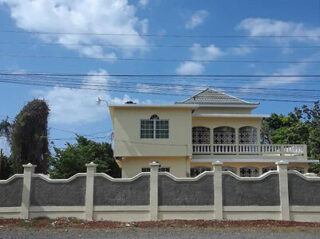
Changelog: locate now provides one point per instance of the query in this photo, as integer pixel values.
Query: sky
(171, 37)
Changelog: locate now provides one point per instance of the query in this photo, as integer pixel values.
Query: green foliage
(72, 160)
(5, 129)
(29, 141)
(299, 127)
(5, 168)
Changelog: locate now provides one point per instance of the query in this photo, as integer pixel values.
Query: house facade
(187, 137)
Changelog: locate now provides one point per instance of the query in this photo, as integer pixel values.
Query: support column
(154, 172)
(28, 170)
(91, 170)
(217, 180)
(282, 168)
(237, 140)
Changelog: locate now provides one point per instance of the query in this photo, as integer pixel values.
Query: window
(299, 169)
(146, 170)
(249, 172)
(267, 169)
(200, 135)
(198, 170)
(231, 169)
(248, 135)
(154, 128)
(224, 135)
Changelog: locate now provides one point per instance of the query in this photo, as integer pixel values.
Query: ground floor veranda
(187, 167)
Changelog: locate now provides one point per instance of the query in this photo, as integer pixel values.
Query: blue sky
(76, 110)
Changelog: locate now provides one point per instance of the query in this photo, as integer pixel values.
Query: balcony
(271, 150)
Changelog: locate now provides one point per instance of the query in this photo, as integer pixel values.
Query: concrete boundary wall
(275, 195)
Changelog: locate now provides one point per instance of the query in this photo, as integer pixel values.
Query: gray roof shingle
(209, 96)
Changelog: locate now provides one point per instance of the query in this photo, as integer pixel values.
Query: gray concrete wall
(186, 193)
(45, 193)
(263, 192)
(110, 193)
(303, 192)
(11, 193)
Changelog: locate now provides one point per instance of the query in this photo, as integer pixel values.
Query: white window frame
(155, 128)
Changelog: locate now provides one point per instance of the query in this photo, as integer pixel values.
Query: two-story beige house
(187, 137)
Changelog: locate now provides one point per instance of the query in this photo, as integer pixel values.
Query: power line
(166, 75)
(165, 86)
(162, 46)
(172, 87)
(150, 93)
(157, 35)
(163, 60)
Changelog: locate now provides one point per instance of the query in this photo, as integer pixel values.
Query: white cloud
(208, 53)
(83, 16)
(196, 19)
(143, 3)
(79, 106)
(190, 68)
(239, 51)
(199, 53)
(272, 27)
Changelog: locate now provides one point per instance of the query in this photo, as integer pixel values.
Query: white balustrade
(254, 149)
(201, 148)
(224, 148)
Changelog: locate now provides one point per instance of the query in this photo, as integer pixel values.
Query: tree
(72, 160)
(29, 137)
(5, 169)
(299, 127)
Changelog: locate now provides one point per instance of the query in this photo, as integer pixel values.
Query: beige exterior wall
(127, 142)
(179, 166)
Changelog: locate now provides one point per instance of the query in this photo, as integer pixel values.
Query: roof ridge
(214, 96)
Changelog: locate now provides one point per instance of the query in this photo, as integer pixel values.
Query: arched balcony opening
(248, 135)
(224, 140)
(201, 140)
(248, 140)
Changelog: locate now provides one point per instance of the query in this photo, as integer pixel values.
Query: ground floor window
(249, 172)
(161, 169)
(299, 169)
(198, 170)
(267, 169)
(231, 169)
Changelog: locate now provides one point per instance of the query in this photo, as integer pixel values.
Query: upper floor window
(248, 135)
(200, 135)
(154, 128)
(224, 135)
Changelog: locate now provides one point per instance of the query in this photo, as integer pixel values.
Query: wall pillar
(28, 170)
(154, 173)
(282, 168)
(218, 203)
(91, 170)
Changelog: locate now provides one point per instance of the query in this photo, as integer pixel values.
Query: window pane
(162, 129)
(146, 129)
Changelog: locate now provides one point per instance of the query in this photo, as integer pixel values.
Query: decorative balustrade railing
(252, 149)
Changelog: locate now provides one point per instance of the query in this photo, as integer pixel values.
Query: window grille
(299, 169)
(165, 169)
(224, 135)
(200, 135)
(249, 172)
(267, 169)
(248, 135)
(198, 170)
(231, 169)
